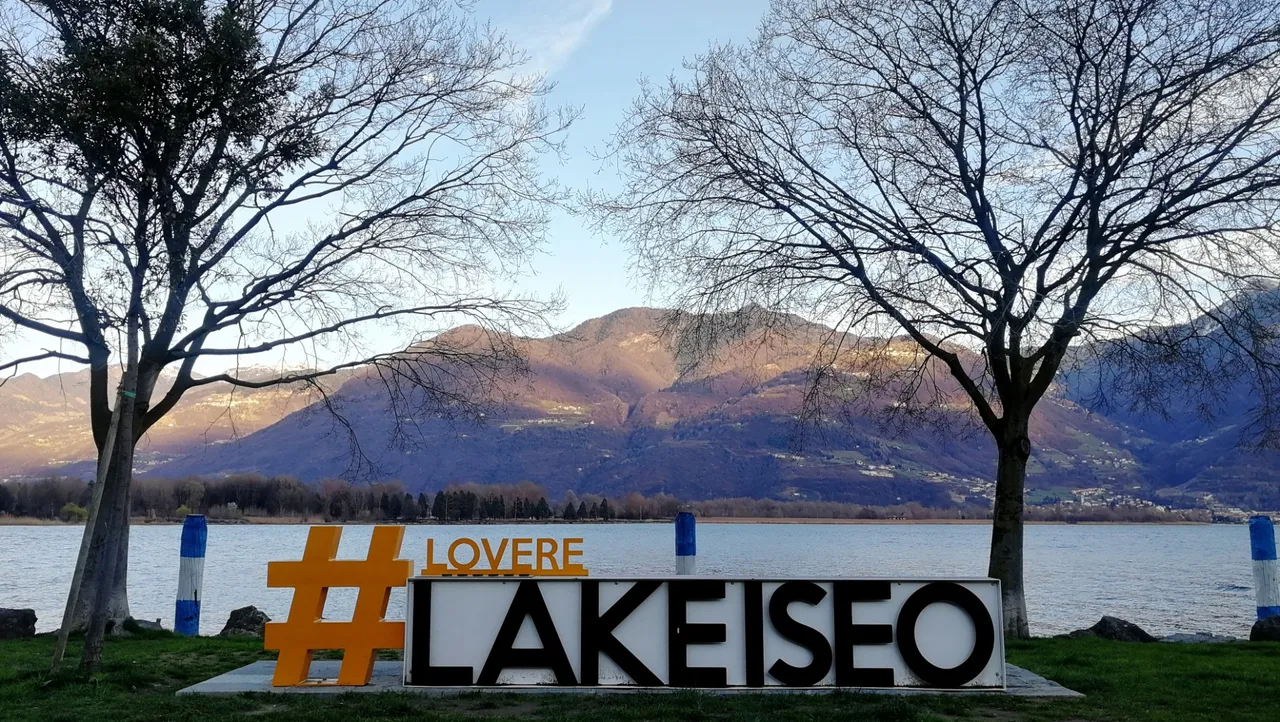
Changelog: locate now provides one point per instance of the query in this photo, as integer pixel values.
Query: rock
(131, 626)
(1265, 630)
(17, 623)
(245, 622)
(1114, 629)
(1198, 638)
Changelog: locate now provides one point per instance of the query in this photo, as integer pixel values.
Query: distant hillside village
(250, 497)
(607, 408)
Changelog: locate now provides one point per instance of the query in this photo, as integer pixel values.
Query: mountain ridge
(608, 407)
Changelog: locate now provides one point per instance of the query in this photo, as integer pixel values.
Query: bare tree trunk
(118, 601)
(110, 550)
(118, 598)
(104, 593)
(1007, 527)
(75, 614)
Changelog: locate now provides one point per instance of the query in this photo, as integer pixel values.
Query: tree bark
(1014, 449)
(109, 550)
(118, 599)
(104, 437)
(106, 578)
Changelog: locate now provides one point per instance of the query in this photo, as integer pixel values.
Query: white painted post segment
(190, 576)
(1266, 576)
(195, 533)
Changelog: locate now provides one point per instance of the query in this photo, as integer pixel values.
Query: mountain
(44, 427)
(1202, 440)
(614, 407)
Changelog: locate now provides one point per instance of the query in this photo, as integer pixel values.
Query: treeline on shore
(245, 496)
(242, 496)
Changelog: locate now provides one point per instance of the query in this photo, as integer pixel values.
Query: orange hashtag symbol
(304, 631)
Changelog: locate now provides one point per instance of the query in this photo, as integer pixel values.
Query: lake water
(1165, 578)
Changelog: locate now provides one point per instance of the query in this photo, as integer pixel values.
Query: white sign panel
(704, 633)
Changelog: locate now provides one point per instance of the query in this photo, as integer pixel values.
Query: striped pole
(1266, 579)
(186, 617)
(686, 547)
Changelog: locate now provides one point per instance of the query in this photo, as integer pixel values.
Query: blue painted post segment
(686, 545)
(1266, 577)
(195, 533)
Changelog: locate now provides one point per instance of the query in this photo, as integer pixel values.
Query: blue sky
(596, 51)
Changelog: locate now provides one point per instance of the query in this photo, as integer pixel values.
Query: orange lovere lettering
(495, 560)
(475, 554)
(528, 557)
(516, 565)
(434, 568)
(568, 554)
(547, 553)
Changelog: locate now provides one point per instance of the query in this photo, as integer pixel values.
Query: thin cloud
(562, 30)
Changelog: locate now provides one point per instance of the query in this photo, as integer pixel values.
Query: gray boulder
(17, 623)
(245, 622)
(1115, 629)
(1265, 630)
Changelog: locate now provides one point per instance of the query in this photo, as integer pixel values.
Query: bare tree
(191, 179)
(996, 183)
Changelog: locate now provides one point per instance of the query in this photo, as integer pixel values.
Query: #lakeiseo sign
(701, 632)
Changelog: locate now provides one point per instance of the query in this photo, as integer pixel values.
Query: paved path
(387, 677)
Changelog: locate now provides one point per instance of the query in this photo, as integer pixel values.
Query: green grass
(1122, 681)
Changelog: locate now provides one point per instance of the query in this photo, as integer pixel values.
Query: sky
(595, 52)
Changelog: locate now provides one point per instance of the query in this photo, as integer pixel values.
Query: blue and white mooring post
(686, 545)
(195, 533)
(1266, 576)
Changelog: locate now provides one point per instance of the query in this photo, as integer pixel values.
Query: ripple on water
(1165, 578)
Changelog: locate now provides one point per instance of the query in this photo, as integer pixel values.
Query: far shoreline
(984, 522)
(302, 521)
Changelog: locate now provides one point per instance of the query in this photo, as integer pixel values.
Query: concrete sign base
(388, 677)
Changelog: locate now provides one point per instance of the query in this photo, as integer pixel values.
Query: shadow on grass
(141, 673)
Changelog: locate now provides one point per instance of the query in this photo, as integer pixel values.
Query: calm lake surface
(1166, 578)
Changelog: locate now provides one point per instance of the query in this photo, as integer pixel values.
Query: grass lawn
(1122, 681)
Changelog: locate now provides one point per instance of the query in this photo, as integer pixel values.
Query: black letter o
(969, 603)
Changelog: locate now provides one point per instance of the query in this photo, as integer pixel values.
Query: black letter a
(528, 603)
